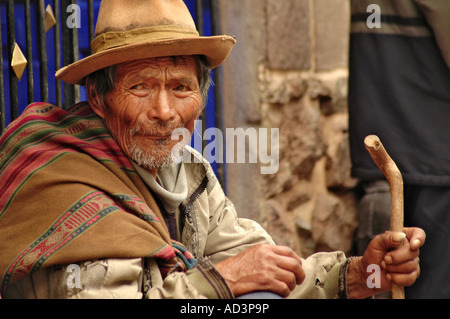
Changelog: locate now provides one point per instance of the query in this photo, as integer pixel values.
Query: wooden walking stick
(395, 180)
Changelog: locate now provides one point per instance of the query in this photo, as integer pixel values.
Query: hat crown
(129, 30)
(120, 15)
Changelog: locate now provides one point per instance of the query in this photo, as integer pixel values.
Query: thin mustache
(156, 128)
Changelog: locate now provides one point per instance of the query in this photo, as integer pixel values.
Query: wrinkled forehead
(177, 64)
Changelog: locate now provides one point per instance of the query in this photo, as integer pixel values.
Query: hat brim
(215, 48)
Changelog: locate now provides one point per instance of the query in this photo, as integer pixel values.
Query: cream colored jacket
(211, 230)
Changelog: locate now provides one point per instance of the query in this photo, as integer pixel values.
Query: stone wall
(289, 71)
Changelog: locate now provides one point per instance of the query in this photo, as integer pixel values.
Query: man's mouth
(161, 132)
(158, 136)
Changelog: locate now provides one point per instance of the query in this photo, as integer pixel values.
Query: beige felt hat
(136, 29)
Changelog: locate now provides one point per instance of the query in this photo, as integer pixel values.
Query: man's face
(151, 98)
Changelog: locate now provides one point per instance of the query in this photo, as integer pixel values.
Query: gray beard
(150, 161)
(159, 157)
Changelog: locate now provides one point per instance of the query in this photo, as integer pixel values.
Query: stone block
(333, 224)
(246, 20)
(331, 32)
(282, 87)
(279, 223)
(338, 168)
(331, 89)
(288, 34)
(300, 143)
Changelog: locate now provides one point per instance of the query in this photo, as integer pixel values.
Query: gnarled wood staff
(395, 180)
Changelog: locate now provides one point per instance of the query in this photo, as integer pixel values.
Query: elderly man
(93, 205)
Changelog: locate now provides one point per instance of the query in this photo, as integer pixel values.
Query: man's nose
(161, 109)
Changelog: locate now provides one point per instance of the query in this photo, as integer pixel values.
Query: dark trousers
(429, 209)
(425, 207)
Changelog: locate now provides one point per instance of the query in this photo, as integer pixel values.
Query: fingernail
(388, 277)
(383, 264)
(388, 259)
(416, 243)
(398, 237)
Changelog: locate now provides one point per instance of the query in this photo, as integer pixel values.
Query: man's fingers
(286, 251)
(390, 240)
(395, 239)
(288, 277)
(386, 241)
(400, 255)
(416, 237)
(263, 267)
(404, 279)
(286, 259)
(262, 282)
(292, 266)
(405, 267)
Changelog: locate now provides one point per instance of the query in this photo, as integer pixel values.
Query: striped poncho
(68, 194)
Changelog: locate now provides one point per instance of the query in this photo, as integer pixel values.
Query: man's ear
(94, 100)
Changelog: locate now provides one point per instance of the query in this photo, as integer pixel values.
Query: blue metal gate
(23, 22)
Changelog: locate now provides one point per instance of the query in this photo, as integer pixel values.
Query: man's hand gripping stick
(395, 180)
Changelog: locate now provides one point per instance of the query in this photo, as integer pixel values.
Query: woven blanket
(68, 194)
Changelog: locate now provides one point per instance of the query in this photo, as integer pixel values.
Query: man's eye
(182, 88)
(138, 87)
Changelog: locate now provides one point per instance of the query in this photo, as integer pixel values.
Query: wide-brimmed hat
(137, 29)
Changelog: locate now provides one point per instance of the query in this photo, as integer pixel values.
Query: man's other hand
(263, 268)
(397, 255)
